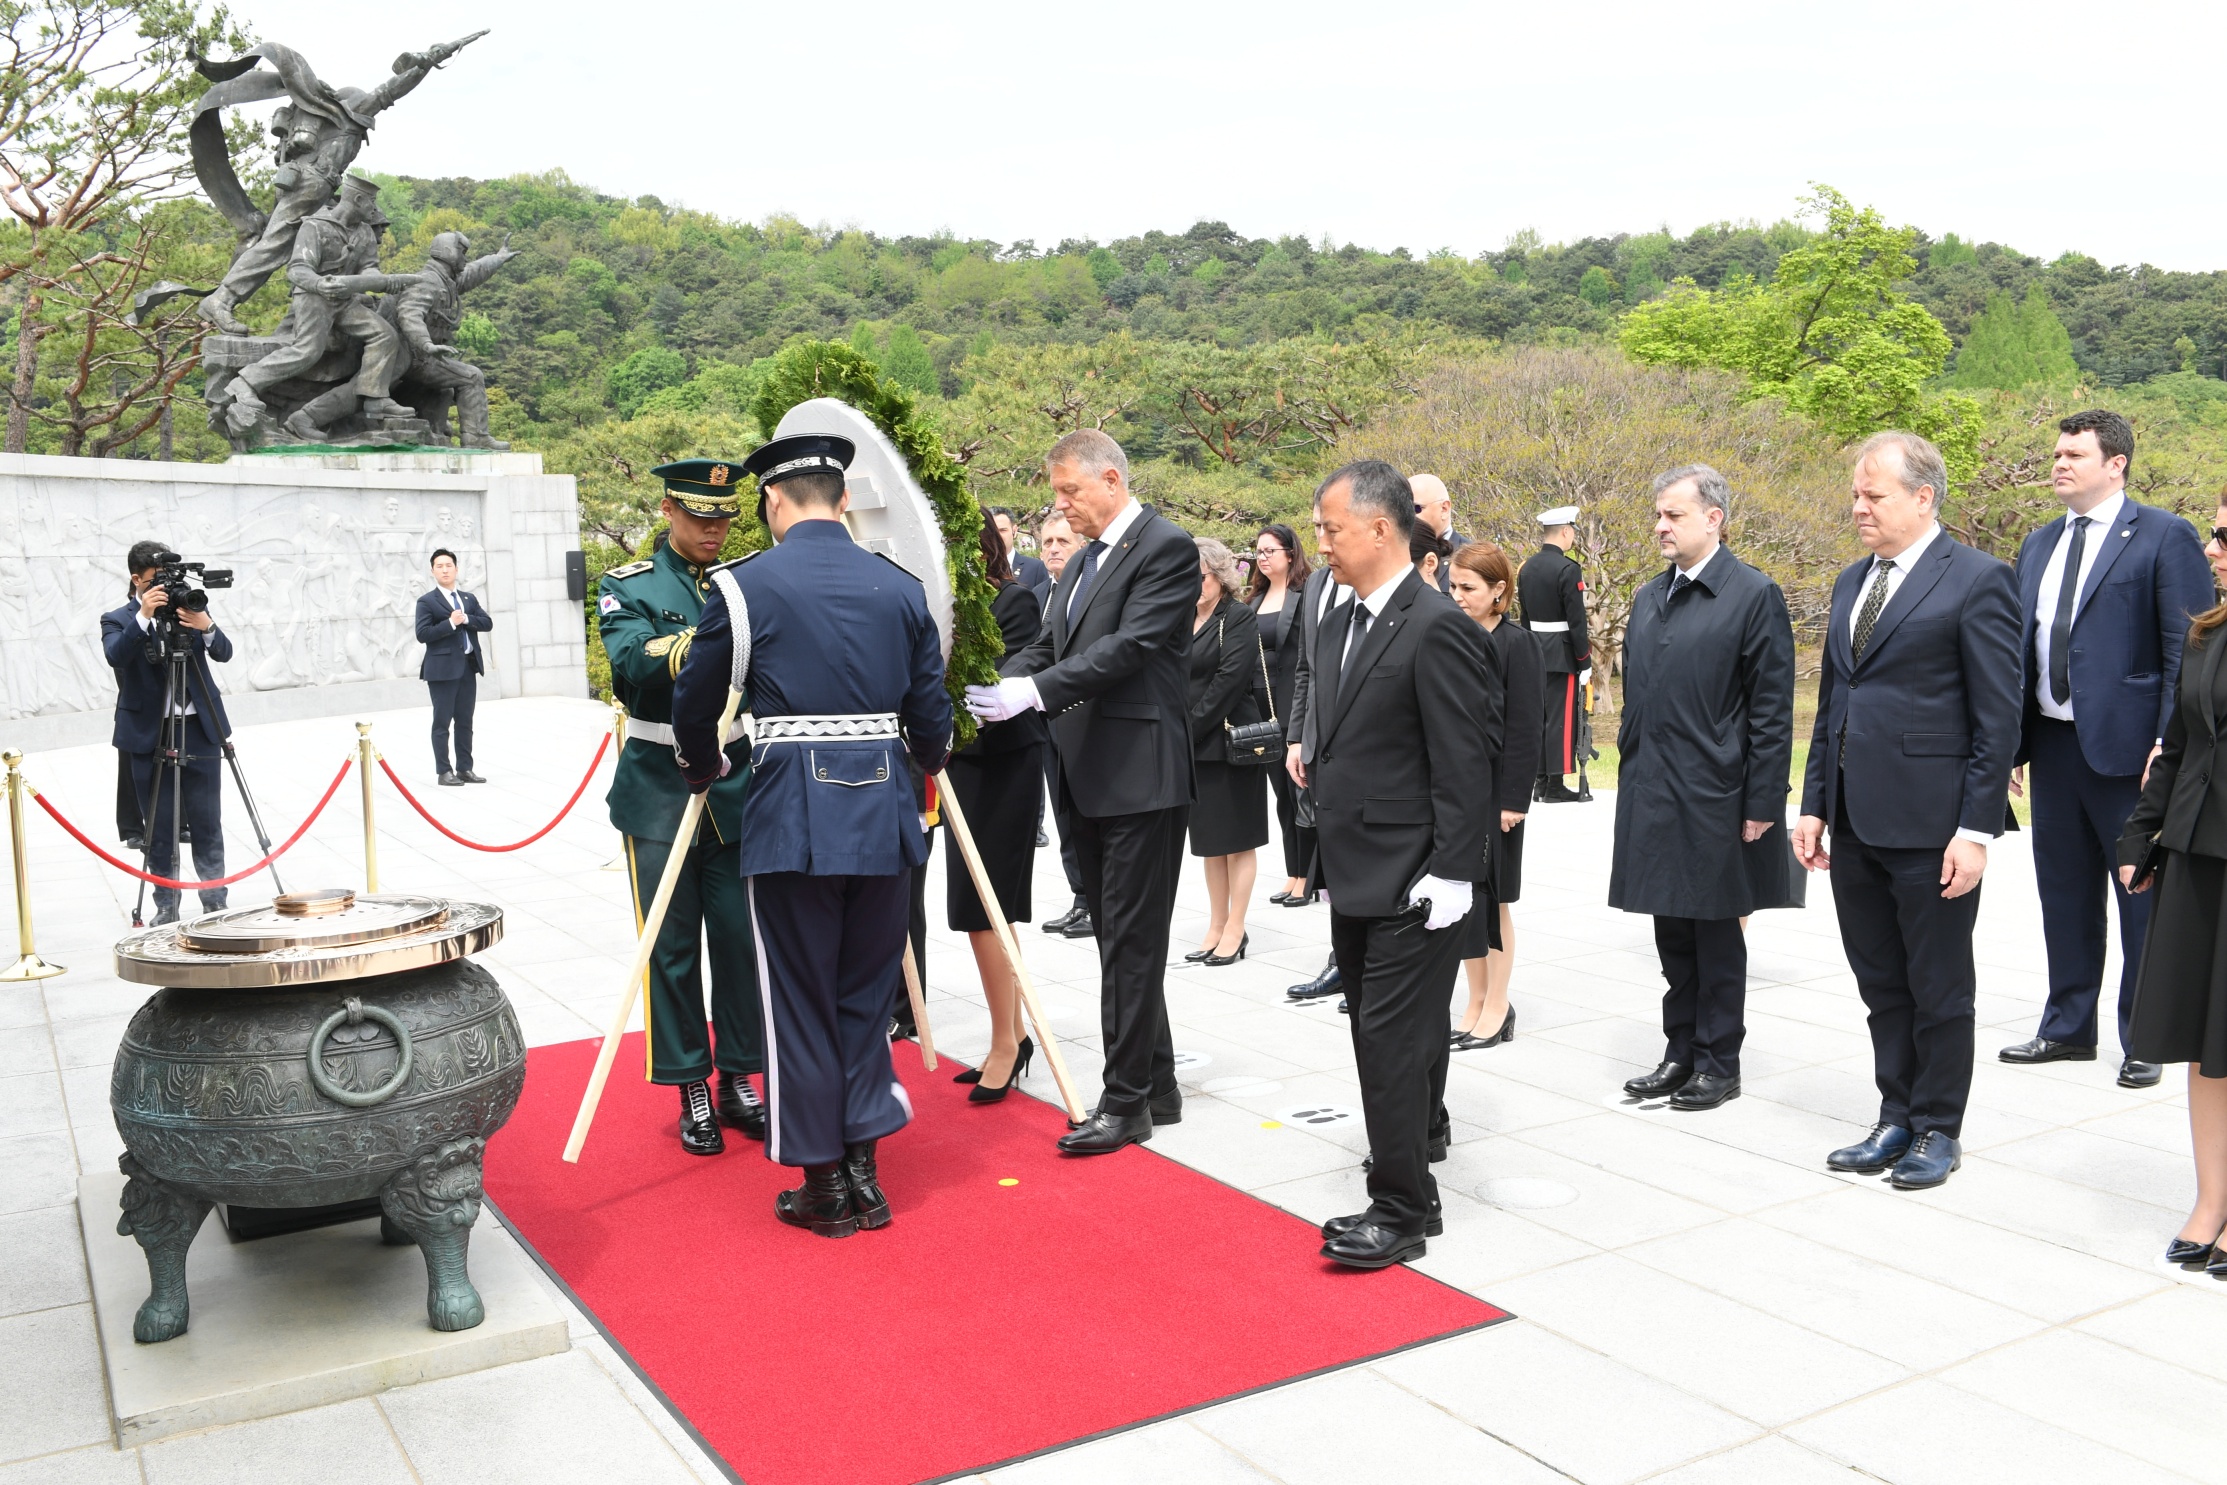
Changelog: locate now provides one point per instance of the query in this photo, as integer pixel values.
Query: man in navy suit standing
(131, 636)
(2106, 592)
(1917, 726)
(448, 621)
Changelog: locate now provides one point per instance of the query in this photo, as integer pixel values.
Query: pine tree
(2013, 345)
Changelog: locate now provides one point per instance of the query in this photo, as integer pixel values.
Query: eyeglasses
(2219, 535)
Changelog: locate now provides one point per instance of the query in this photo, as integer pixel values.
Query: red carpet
(987, 1322)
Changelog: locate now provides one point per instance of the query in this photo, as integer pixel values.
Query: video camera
(176, 577)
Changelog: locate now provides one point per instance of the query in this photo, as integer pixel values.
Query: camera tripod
(167, 648)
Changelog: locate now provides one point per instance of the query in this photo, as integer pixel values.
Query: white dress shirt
(1107, 539)
(456, 605)
(1690, 574)
(1333, 593)
(1374, 603)
(1903, 566)
(2102, 522)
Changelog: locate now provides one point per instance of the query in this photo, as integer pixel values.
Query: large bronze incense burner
(324, 1049)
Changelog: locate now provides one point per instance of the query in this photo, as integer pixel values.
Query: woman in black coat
(2180, 992)
(1279, 576)
(998, 779)
(1483, 583)
(1229, 819)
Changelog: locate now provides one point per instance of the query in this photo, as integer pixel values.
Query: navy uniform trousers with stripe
(830, 960)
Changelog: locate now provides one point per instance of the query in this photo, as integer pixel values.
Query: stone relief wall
(328, 563)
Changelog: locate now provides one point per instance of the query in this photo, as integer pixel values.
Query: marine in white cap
(1551, 590)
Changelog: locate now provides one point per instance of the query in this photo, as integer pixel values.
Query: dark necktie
(1357, 637)
(1679, 584)
(1875, 599)
(2060, 628)
(1091, 554)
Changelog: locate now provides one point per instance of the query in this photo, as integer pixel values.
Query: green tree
(909, 363)
(1597, 288)
(649, 370)
(1831, 333)
(2013, 345)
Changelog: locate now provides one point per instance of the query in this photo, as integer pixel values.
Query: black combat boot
(739, 1107)
(699, 1131)
(822, 1203)
(868, 1205)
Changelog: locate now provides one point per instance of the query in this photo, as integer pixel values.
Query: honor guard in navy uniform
(843, 665)
(1551, 590)
(647, 613)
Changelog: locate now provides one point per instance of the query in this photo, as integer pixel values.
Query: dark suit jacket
(1931, 715)
(2129, 623)
(1034, 575)
(1112, 675)
(1302, 678)
(1224, 679)
(1020, 615)
(1515, 650)
(2184, 804)
(1403, 752)
(139, 681)
(445, 659)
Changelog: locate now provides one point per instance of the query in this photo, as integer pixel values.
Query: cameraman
(133, 637)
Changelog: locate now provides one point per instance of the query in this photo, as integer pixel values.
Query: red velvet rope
(600, 749)
(197, 886)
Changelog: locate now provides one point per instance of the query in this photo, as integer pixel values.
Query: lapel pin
(2126, 533)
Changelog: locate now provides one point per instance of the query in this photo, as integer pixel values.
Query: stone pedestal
(329, 553)
(297, 1321)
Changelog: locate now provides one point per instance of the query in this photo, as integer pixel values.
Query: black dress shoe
(135, 845)
(1874, 1152)
(1279, 898)
(1667, 1078)
(164, 915)
(1167, 1110)
(1345, 1006)
(699, 1127)
(1706, 1091)
(1079, 926)
(822, 1203)
(469, 777)
(2188, 1254)
(1059, 924)
(1434, 1225)
(1103, 1133)
(1372, 1245)
(2042, 1049)
(1244, 942)
(868, 1205)
(2134, 1074)
(1932, 1159)
(739, 1107)
(1041, 840)
(1326, 983)
(452, 780)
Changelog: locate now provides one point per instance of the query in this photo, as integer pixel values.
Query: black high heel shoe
(984, 1093)
(1196, 955)
(1233, 956)
(2188, 1254)
(974, 1074)
(1469, 1041)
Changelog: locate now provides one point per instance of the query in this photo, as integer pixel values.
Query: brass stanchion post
(366, 755)
(28, 964)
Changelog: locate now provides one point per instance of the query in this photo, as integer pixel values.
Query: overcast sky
(2048, 126)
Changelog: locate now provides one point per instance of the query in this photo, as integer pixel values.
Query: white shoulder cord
(738, 621)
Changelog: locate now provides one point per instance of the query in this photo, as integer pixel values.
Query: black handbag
(1256, 742)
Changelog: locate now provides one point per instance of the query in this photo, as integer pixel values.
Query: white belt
(662, 734)
(860, 727)
(1547, 626)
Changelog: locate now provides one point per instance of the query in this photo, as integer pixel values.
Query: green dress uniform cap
(703, 487)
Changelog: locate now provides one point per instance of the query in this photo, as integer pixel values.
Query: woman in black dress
(1229, 821)
(1279, 575)
(2180, 992)
(1484, 584)
(998, 779)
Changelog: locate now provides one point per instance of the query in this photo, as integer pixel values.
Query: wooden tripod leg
(993, 909)
(919, 998)
(651, 923)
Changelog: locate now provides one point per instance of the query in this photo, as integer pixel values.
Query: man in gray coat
(1706, 738)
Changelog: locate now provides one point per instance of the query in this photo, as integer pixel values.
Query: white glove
(1007, 699)
(1449, 901)
(1585, 676)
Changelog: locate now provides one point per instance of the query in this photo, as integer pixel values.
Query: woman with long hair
(2176, 842)
(1229, 819)
(1483, 584)
(998, 779)
(1279, 574)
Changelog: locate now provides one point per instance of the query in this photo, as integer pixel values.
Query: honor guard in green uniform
(647, 614)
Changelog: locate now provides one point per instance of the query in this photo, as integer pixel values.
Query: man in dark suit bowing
(1400, 726)
(1111, 670)
(1917, 723)
(2105, 594)
(448, 620)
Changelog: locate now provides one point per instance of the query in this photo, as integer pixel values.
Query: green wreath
(829, 368)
